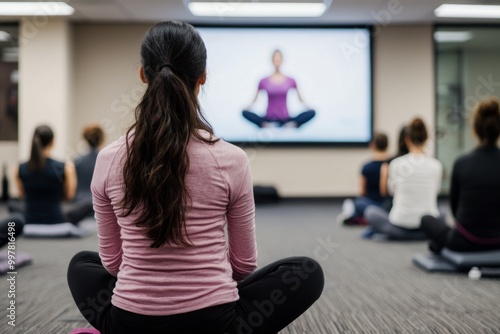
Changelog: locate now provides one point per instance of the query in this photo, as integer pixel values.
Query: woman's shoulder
(55, 162)
(436, 163)
(264, 82)
(23, 169)
(432, 162)
(90, 154)
(465, 159)
(397, 160)
(478, 153)
(222, 151)
(233, 150)
(112, 149)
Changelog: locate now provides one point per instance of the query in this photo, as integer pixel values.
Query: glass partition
(467, 70)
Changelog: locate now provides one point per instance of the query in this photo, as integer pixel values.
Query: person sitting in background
(94, 136)
(371, 191)
(414, 180)
(44, 182)
(384, 169)
(474, 192)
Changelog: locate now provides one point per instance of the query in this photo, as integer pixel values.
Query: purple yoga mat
(22, 259)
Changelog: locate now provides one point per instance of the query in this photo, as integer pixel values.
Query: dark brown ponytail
(417, 132)
(42, 138)
(486, 121)
(173, 58)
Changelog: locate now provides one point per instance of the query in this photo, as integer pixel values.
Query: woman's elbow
(240, 275)
(113, 272)
(383, 192)
(69, 194)
(244, 269)
(112, 265)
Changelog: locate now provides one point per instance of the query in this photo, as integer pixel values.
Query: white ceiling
(340, 12)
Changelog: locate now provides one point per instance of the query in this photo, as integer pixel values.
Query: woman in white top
(414, 181)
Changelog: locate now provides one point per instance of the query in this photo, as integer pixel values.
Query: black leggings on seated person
(73, 212)
(442, 236)
(270, 299)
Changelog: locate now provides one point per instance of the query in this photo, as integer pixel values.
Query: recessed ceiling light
(452, 36)
(468, 11)
(35, 9)
(257, 9)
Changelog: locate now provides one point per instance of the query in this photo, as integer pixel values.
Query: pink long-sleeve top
(174, 279)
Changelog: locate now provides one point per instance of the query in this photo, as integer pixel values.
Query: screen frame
(295, 144)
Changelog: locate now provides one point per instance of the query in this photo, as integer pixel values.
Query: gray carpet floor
(371, 287)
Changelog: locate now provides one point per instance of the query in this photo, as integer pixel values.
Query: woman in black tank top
(45, 182)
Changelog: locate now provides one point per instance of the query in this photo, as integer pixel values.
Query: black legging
(73, 212)
(18, 221)
(443, 236)
(301, 119)
(270, 299)
(76, 211)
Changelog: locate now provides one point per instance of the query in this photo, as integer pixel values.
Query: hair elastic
(170, 66)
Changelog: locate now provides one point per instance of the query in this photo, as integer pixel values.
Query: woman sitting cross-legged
(414, 180)
(373, 189)
(45, 182)
(163, 197)
(475, 191)
(85, 164)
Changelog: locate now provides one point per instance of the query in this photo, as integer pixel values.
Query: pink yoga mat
(85, 331)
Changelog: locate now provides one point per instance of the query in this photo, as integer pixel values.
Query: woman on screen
(163, 196)
(277, 86)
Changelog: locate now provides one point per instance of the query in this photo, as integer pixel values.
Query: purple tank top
(276, 108)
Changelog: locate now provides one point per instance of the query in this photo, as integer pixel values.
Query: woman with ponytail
(85, 164)
(45, 183)
(475, 191)
(164, 195)
(414, 181)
